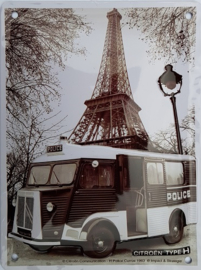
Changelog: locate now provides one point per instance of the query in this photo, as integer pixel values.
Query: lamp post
(170, 84)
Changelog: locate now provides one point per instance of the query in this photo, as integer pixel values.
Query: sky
(79, 77)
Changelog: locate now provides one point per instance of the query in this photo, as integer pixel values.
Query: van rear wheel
(100, 242)
(176, 227)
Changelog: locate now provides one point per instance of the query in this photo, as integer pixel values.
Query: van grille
(25, 212)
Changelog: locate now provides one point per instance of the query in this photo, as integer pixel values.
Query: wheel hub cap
(100, 243)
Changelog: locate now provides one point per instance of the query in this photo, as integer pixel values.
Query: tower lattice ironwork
(111, 117)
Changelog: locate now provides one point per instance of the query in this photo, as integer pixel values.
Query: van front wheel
(100, 242)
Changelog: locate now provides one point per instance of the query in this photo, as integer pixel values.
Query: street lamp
(170, 84)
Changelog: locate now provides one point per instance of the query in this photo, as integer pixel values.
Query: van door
(132, 194)
(157, 210)
(95, 191)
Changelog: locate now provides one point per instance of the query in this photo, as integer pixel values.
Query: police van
(95, 196)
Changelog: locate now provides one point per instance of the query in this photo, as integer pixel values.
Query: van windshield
(39, 175)
(61, 174)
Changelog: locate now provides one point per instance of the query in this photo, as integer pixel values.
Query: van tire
(176, 227)
(100, 242)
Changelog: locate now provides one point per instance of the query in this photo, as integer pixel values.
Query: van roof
(75, 151)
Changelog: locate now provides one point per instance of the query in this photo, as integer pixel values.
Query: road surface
(122, 254)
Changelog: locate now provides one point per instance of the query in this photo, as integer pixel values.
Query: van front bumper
(33, 242)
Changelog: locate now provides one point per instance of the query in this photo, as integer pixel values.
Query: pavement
(122, 254)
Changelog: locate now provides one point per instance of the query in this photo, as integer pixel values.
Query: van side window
(174, 173)
(101, 176)
(155, 173)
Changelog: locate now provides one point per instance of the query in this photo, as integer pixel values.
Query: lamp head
(170, 82)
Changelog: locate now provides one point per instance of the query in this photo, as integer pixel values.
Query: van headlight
(50, 207)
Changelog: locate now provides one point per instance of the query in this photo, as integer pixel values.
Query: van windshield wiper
(57, 178)
(35, 182)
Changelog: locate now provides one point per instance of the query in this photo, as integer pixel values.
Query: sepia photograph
(100, 136)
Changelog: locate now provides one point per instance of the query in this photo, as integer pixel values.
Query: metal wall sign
(98, 168)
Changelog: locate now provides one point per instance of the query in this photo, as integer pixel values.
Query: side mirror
(95, 163)
(14, 202)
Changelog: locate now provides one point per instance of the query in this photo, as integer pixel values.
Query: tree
(167, 31)
(36, 42)
(166, 141)
(25, 141)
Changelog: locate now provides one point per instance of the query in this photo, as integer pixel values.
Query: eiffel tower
(111, 117)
